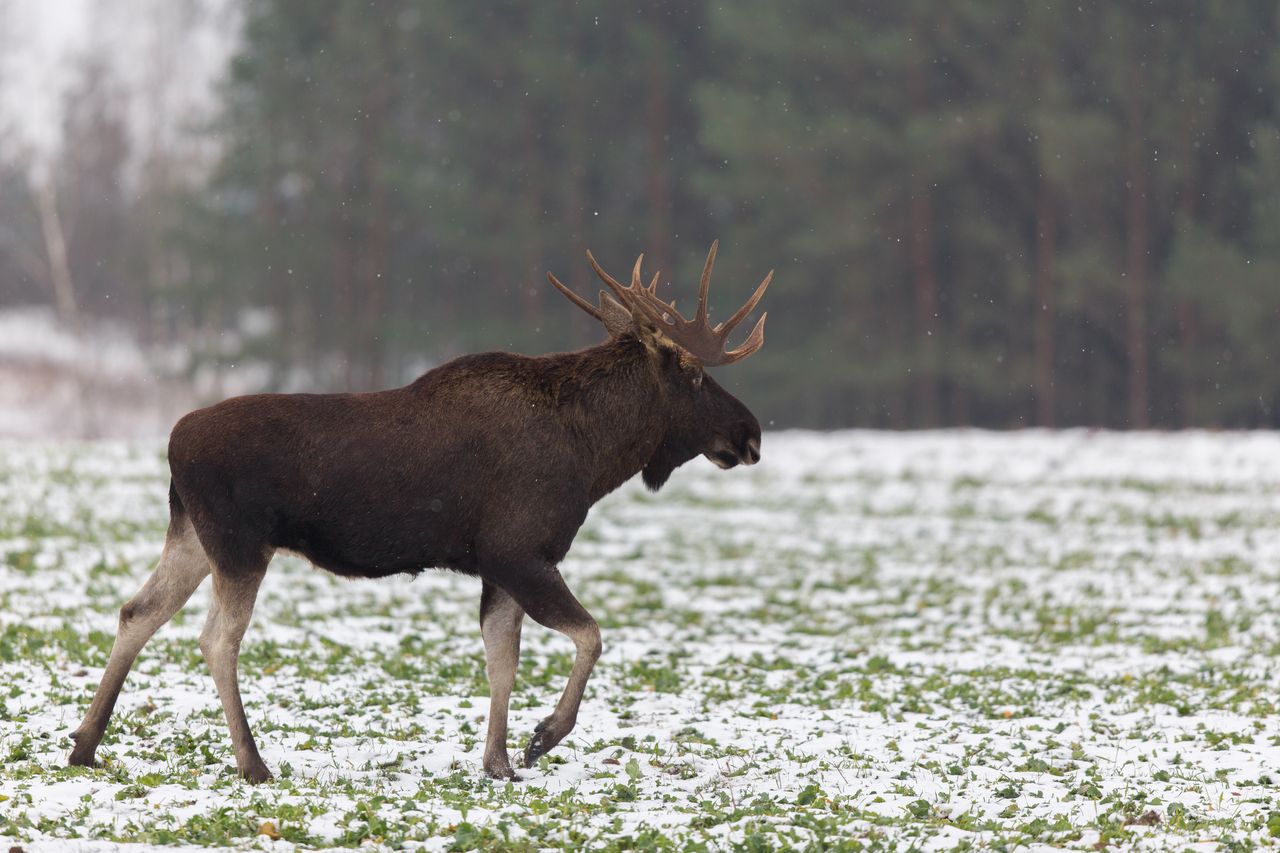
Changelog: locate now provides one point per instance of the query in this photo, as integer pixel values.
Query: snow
(1033, 639)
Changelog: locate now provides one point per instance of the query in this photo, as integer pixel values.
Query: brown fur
(486, 465)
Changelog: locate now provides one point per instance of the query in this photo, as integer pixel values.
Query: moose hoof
(545, 736)
(535, 750)
(81, 759)
(82, 754)
(501, 772)
(256, 775)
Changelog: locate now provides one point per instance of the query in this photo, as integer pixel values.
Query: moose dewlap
(486, 465)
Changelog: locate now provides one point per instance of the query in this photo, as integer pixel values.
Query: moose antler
(695, 336)
(575, 298)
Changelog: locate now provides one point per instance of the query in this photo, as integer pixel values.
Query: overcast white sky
(44, 37)
(40, 35)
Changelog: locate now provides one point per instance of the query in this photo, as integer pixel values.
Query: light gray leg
(542, 592)
(229, 614)
(552, 730)
(183, 565)
(500, 622)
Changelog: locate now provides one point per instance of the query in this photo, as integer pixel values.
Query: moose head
(703, 417)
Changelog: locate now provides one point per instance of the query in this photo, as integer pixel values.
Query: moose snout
(728, 454)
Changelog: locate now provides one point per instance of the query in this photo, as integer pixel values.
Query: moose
(486, 465)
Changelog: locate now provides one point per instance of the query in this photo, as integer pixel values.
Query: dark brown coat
(486, 465)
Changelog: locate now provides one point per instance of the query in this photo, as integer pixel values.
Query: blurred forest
(988, 213)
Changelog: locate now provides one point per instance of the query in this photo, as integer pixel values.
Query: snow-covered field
(937, 641)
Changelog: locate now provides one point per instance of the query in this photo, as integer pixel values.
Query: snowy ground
(869, 641)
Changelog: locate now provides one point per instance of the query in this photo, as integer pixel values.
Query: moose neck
(618, 410)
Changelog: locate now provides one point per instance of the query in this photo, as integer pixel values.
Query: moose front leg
(500, 621)
(542, 594)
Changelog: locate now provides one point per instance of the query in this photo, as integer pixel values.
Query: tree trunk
(373, 267)
(1136, 265)
(1046, 223)
(344, 269)
(375, 279)
(659, 182)
(57, 256)
(926, 302)
(55, 250)
(293, 310)
(530, 282)
(576, 193)
(923, 271)
(1188, 325)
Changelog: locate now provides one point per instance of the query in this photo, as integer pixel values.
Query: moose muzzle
(726, 455)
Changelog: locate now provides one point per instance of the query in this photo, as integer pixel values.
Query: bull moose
(486, 465)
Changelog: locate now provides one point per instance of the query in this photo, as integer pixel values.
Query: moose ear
(617, 319)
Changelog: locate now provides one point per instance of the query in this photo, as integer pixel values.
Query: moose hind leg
(183, 565)
(500, 621)
(229, 613)
(542, 594)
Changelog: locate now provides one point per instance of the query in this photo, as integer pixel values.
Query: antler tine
(732, 323)
(653, 285)
(574, 298)
(705, 285)
(608, 279)
(604, 276)
(636, 283)
(754, 341)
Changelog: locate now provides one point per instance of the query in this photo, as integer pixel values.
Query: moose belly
(378, 544)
